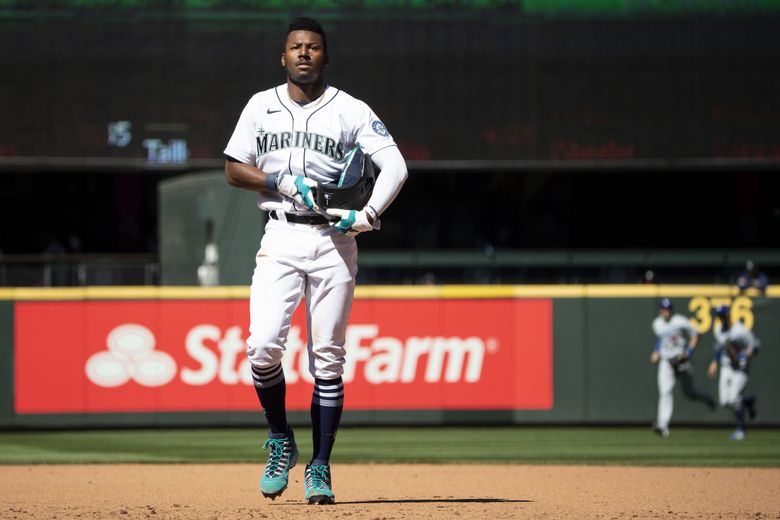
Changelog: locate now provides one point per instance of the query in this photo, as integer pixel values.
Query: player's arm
(755, 348)
(242, 175)
(392, 177)
(296, 187)
(390, 181)
(693, 338)
(656, 354)
(752, 345)
(240, 152)
(712, 370)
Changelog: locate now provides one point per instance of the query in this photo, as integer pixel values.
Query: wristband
(270, 181)
(371, 212)
(689, 351)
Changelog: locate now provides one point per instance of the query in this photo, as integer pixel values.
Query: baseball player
(735, 346)
(676, 339)
(752, 277)
(290, 139)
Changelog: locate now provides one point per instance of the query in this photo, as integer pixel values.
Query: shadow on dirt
(435, 500)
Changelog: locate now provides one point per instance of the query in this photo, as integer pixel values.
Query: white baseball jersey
(738, 334)
(279, 136)
(673, 335)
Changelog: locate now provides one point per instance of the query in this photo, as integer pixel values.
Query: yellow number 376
(702, 309)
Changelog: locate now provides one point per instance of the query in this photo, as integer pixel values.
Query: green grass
(521, 445)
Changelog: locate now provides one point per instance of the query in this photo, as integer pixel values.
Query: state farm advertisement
(174, 355)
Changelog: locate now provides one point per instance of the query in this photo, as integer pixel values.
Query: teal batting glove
(351, 222)
(299, 188)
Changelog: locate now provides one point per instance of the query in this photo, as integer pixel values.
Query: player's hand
(298, 188)
(679, 361)
(351, 222)
(742, 360)
(654, 357)
(712, 370)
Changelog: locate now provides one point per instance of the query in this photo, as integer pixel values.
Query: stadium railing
(428, 267)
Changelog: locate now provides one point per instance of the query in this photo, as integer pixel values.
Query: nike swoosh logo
(269, 111)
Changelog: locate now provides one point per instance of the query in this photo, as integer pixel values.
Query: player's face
(666, 314)
(304, 57)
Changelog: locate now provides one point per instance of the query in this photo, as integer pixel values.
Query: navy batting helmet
(722, 311)
(666, 303)
(354, 186)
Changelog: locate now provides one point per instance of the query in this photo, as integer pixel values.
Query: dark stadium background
(571, 162)
(525, 128)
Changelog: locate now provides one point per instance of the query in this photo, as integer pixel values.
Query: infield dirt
(390, 491)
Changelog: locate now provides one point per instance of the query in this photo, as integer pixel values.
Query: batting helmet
(722, 311)
(665, 303)
(354, 186)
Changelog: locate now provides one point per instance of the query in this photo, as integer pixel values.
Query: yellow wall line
(381, 292)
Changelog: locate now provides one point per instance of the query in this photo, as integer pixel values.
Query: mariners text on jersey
(279, 136)
(271, 142)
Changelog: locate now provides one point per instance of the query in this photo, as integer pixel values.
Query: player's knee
(331, 371)
(326, 361)
(323, 367)
(263, 354)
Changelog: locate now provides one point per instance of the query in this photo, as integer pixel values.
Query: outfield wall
(173, 356)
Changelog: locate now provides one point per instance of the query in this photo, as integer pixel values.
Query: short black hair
(308, 24)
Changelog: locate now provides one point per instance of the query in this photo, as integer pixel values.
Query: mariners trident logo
(130, 355)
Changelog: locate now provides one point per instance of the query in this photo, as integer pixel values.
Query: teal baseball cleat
(316, 481)
(281, 459)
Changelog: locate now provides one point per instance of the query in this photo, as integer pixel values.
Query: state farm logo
(214, 355)
(385, 359)
(130, 355)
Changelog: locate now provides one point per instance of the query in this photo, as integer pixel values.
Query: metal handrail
(380, 266)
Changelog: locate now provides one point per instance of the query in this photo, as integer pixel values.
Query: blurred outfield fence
(504, 354)
(411, 267)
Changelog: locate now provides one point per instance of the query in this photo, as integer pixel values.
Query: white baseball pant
(730, 386)
(296, 260)
(666, 381)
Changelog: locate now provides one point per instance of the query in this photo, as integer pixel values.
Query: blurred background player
(735, 346)
(208, 271)
(752, 277)
(676, 339)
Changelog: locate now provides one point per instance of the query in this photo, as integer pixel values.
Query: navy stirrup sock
(327, 402)
(271, 390)
(739, 412)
